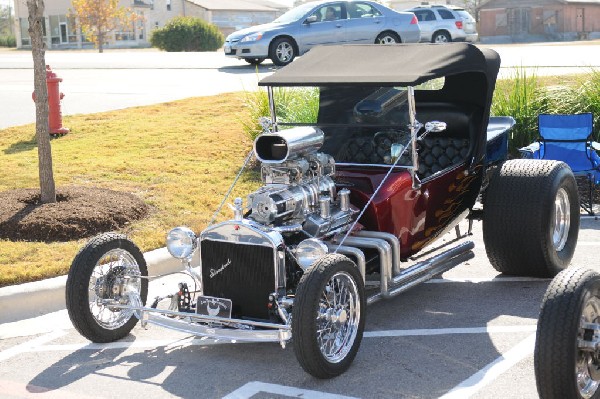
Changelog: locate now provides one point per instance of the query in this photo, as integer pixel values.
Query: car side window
(445, 14)
(362, 10)
(331, 12)
(425, 15)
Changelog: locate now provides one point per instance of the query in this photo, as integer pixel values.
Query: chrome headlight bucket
(308, 251)
(181, 242)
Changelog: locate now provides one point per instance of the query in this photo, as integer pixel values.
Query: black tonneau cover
(403, 65)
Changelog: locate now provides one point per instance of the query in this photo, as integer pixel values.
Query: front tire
(328, 317)
(109, 268)
(531, 217)
(282, 51)
(564, 369)
(254, 61)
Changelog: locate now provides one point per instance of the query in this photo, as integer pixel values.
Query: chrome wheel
(587, 365)
(562, 219)
(387, 40)
(441, 38)
(284, 52)
(338, 317)
(115, 279)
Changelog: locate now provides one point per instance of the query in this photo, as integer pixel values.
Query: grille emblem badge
(214, 272)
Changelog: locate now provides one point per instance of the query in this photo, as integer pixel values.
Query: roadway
(118, 79)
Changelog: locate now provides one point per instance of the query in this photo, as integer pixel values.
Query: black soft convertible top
(403, 65)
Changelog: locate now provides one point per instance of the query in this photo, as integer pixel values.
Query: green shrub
(187, 34)
(8, 41)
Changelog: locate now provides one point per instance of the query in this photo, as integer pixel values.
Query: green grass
(179, 157)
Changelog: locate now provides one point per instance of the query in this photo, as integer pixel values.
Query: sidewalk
(29, 300)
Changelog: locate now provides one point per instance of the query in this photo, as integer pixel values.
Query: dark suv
(441, 24)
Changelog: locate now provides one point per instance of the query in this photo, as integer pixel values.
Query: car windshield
(362, 125)
(294, 14)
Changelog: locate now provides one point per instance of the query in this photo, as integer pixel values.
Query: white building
(61, 29)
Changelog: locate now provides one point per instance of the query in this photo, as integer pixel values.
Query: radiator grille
(240, 272)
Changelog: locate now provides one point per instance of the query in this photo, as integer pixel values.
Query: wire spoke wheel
(338, 317)
(108, 271)
(114, 278)
(328, 317)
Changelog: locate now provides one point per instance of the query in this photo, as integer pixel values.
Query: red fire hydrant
(54, 97)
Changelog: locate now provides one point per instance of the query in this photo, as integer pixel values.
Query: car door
(327, 26)
(427, 23)
(365, 22)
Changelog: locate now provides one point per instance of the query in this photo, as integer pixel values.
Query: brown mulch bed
(79, 212)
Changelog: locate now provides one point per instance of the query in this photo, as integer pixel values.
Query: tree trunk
(100, 42)
(47, 186)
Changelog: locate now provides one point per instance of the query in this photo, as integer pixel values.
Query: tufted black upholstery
(438, 153)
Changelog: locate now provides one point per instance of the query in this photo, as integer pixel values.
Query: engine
(299, 191)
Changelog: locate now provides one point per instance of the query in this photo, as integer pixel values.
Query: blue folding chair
(568, 138)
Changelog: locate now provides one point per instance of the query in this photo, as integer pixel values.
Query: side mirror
(311, 19)
(435, 127)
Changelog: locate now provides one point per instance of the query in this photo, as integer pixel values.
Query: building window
(24, 25)
(168, 5)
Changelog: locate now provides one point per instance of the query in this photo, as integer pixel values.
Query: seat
(568, 138)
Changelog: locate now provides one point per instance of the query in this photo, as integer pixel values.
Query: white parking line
(489, 373)
(252, 388)
(588, 243)
(30, 345)
(447, 331)
(494, 279)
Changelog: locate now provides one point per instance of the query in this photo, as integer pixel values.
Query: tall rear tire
(563, 370)
(531, 217)
(328, 317)
(108, 268)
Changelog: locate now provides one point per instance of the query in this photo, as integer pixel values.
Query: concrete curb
(24, 301)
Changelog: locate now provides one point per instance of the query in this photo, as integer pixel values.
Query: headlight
(252, 38)
(181, 242)
(308, 251)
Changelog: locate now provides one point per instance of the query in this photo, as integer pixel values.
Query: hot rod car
(352, 203)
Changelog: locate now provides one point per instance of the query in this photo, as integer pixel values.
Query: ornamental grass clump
(292, 105)
(523, 98)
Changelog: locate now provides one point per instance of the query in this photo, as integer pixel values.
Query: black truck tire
(531, 217)
(100, 264)
(314, 313)
(562, 369)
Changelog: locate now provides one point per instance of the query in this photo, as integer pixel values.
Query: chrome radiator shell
(244, 262)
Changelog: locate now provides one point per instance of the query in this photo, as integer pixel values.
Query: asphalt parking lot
(467, 334)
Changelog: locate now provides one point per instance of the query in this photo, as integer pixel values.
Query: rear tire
(388, 38)
(531, 217)
(328, 317)
(107, 268)
(441, 37)
(562, 369)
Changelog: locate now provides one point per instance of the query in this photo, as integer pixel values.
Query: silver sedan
(321, 23)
